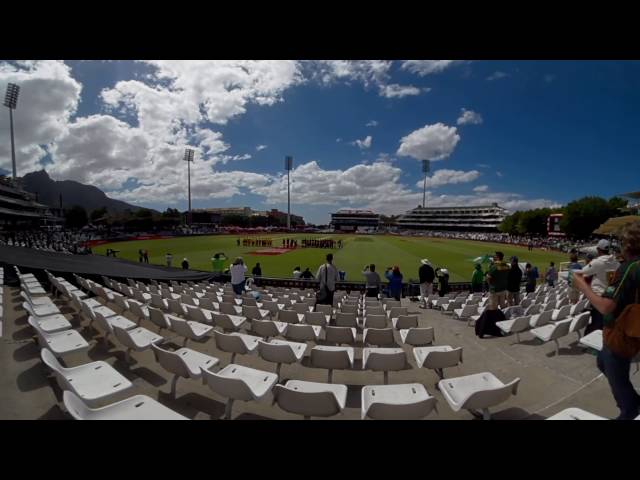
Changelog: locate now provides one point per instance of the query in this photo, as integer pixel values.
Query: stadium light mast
(288, 165)
(10, 101)
(425, 169)
(188, 157)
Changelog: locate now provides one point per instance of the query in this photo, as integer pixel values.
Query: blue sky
(535, 133)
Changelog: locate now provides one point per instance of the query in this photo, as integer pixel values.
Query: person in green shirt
(477, 279)
(498, 278)
(217, 262)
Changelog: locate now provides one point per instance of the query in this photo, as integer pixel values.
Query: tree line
(580, 217)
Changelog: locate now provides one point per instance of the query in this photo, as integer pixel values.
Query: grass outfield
(382, 250)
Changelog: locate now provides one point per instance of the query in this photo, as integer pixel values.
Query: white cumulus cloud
(449, 177)
(261, 147)
(372, 123)
(431, 142)
(399, 91)
(364, 143)
(469, 117)
(481, 188)
(428, 67)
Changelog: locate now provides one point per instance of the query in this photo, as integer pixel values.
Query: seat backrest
(407, 321)
(170, 361)
(312, 404)
(326, 309)
(157, 317)
(251, 312)
(579, 322)
(234, 388)
(491, 397)
(76, 407)
(249, 302)
(51, 361)
(344, 319)
(288, 316)
(347, 308)
(229, 343)
(87, 311)
(223, 321)
(315, 318)
(545, 317)
(103, 322)
(301, 307)
(123, 336)
(299, 332)
(187, 299)
(420, 336)
(136, 310)
(376, 310)
(385, 361)
(378, 336)
(340, 335)
(561, 329)
(277, 353)
(228, 308)
(375, 321)
(445, 359)
(264, 328)
(156, 300)
(196, 314)
(521, 323)
(207, 303)
(175, 306)
(397, 311)
(563, 312)
(121, 302)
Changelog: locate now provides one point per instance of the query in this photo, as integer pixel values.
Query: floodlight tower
(10, 101)
(425, 169)
(188, 157)
(288, 165)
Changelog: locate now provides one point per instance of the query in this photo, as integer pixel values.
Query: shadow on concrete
(55, 413)
(191, 404)
(33, 378)
(514, 413)
(250, 416)
(24, 334)
(26, 352)
(354, 396)
(149, 376)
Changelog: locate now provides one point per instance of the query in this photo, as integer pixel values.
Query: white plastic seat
(378, 336)
(575, 414)
(107, 324)
(344, 319)
(579, 322)
(280, 351)
(396, 402)
(290, 316)
(516, 326)
(235, 343)
(199, 314)
(301, 307)
(138, 339)
(41, 310)
(159, 319)
(139, 407)
(477, 392)
(228, 322)
(396, 311)
(465, 312)
(236, 382)
(561, 313)
(384, 359)
(317, 318)
(553, 331)
(593, 340)
(326, 309)
(404, 321)
(177, 308)
(229, 308)
(141, 312)
(311, 399)
(438, 358)
(303, 333)
(184, 362)
(255, 313)
(340, 335)
(95, 383)
(268, 328)
(51, 324)
(540, 319)
(60, 343)
(189, 329)
(374, 321)
(418, 337)
(158, 302)
(332, 358)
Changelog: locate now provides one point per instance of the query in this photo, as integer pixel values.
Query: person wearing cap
(185, 264)
(426, 274)
(513, 283)
(498, 279)
(598, 270)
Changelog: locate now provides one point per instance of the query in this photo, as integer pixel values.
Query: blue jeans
(238, 288)
(616, 369)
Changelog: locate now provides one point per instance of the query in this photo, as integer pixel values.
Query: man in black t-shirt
(426, 274)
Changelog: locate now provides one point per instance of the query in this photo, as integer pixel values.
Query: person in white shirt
(296, 273)
(598, 270)
(238, 269)
(327, 276)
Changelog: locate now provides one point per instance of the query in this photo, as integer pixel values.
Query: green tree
(510, 223)
(98, 213)
(583, 216)
(76, 217)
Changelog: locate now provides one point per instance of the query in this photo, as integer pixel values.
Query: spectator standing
(619, 303)
(327, 275)
(238, 270)
(257, 270)
(477, 279)
(498, 279)
(531, 277)
(552, 275)
(296, 273)
(373, 280)
(140, 255)
(169, 259)
(427, 275)
(513, 284)
(217, 262)
(574, 293)
(185, 264)
(306, 275)
(145, 255)
(598, 270)
(395, 282)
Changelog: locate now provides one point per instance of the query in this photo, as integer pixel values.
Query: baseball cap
(603, 244)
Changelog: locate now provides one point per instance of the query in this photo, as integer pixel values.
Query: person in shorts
(498, 279)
